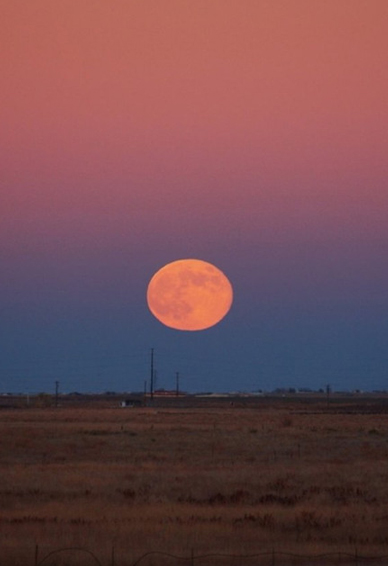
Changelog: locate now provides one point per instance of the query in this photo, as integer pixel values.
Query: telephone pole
(152, 375)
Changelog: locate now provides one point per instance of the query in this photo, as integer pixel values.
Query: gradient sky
(252, 134)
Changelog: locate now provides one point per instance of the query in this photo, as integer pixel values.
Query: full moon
(189, 294)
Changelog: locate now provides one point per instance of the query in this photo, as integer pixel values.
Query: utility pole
(177, 383)
(152, 375)
(155, 379)
(56, 393)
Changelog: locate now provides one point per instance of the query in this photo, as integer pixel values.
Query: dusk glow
(249, 133)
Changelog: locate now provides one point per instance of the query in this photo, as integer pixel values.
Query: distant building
(169, 393)
(136, 402)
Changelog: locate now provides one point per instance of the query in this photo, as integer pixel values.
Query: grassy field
(239, 479)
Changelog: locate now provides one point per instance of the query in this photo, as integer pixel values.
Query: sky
(252, 134)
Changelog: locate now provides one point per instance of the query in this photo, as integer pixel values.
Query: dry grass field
(239, 479)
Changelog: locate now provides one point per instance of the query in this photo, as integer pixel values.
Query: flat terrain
(244, 478)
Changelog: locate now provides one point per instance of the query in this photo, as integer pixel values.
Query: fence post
(36, 554)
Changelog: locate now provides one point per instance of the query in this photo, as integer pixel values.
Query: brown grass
(221, 480)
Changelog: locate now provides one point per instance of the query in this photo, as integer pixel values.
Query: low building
(132, 402)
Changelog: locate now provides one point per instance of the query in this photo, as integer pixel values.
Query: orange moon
(189, 294)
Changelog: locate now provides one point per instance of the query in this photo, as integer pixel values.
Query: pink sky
(185, 127)
(160, 109)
